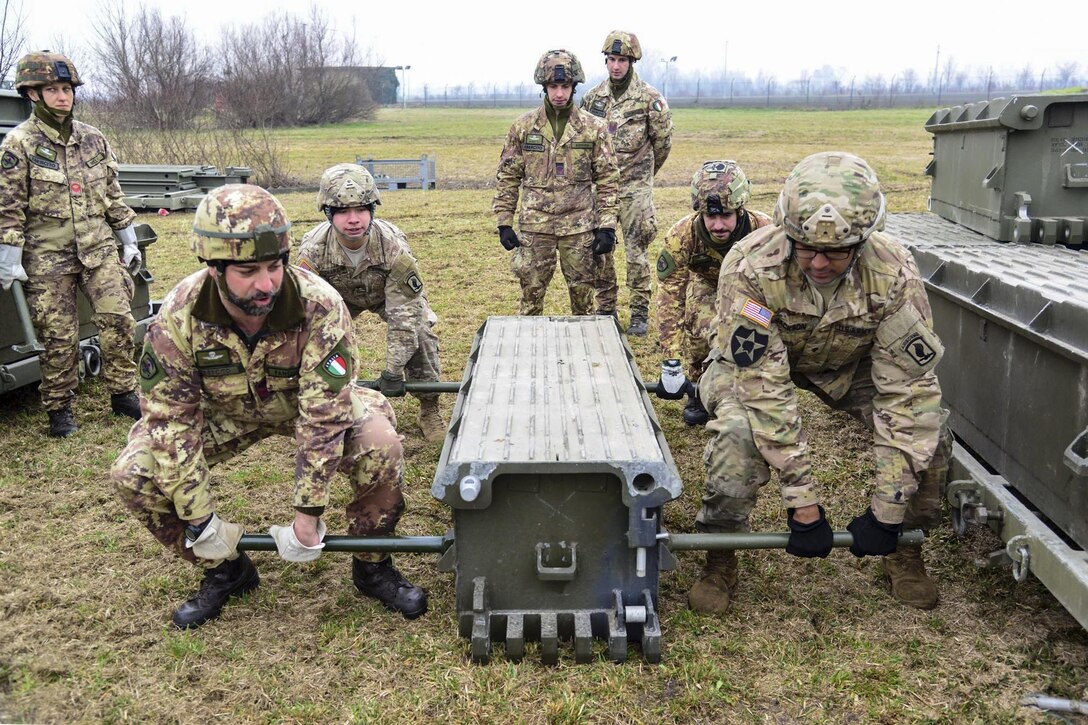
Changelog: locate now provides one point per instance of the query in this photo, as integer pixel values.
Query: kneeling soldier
(240, 351)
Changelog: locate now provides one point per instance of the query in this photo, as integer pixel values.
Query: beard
(249, 305)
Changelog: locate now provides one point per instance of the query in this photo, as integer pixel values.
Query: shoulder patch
(747, 346)
(305, 264)
(659, 105)
(151, 372)
(757, 313)
(405, 273)
(9, 160)
(336, 369)
(666, 265)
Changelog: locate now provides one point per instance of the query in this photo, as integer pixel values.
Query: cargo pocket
(49, 193)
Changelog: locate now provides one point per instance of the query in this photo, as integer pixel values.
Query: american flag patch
(757, 313)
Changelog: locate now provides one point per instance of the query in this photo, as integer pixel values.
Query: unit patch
(747, 346)
(151, 371)
(46, 153)
(666, 265)
(9, 160)
(414, 282)
(534, 142)
(919, 350)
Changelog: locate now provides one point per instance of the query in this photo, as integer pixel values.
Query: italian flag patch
(336, 365)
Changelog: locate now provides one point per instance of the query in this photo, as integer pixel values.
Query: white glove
(130, 250)
(674, 383)
(291, 549)
(219, 540)
(11, 265)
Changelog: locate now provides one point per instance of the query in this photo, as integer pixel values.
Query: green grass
(86, 594)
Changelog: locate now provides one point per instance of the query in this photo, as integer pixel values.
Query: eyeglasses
(831, 255)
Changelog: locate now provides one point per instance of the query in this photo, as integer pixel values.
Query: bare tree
(12, 36)
(287, 71)
(1025, 78)
(153, 67)
(1066, 73)
(908, 81)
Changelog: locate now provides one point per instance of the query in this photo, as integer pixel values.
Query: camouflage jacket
(640, 124)
(771, 327)
(687, 273)
(386, 282)
(567, 186)
(60, 202)
(201, 381)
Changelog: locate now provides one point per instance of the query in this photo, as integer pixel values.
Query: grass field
(86, 594)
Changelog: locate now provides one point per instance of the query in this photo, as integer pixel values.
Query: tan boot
(907, 574)
(714, 590)
(430, 420)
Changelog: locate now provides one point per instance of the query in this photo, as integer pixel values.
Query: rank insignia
(747, 346)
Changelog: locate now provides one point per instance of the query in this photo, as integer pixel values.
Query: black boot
(383, 582)
(126, 404)
(638, 326)
(231, 578)
(694, 412)
(62, 423)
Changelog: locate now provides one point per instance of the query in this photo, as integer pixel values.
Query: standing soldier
(240, 351)
(640, 124)
(370, 264)
(688, 267)
(60, 205)
(822, 301)
(560, 158)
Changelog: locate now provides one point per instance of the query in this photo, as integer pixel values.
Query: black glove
(871, 537)
(508, 239)
(603, 240)
(392, 386)
(810, 540)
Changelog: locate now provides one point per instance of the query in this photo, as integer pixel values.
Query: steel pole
(447, 387)
(21, 309)
(417, 544)
(759, 540)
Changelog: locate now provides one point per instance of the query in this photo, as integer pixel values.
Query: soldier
(240, 351)
(640, 124)
(60, 205)
(560, 158)
(822, 301)
(688, 267)
(370, 264)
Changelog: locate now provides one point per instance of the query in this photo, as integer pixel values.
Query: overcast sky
(454, 43)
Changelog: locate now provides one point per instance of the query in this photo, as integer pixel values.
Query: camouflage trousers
(736, 470)
(700, 320)
(638, 222)
(53, 309)
(424, 366)
(373, 461)
(533, 264)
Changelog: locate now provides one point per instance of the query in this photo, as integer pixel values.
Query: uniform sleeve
(405, 312)
(672, 288)
(324, 404)
(173, 418)
(118, 213)
(606, 180)
(508, 179)
(14, 192)
(763, 386)
(660, 122)
(907, 411)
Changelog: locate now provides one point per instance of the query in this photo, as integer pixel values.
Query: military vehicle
(18, 346)
(1003, 259)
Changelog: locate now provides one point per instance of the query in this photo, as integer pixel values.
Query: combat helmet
(346, 185)
(558, 66)
(240, 223)
(718, 187)
(42, 67)
(619, 42)
(831, 200)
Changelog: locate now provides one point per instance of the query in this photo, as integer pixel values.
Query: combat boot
(639, 319)
(126, 404)
(714, 590)
(230, 579)
(694, 412)
(62, 423)
(383, 582)
(907, 573)
(430, 420)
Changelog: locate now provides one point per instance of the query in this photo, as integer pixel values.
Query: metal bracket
(563, 572)
(1076, 454)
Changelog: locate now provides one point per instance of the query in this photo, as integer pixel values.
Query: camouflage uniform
(387, 282)
(208, 397)
(640, 124)
(568, 189)
(687, 272)
(60, 201)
